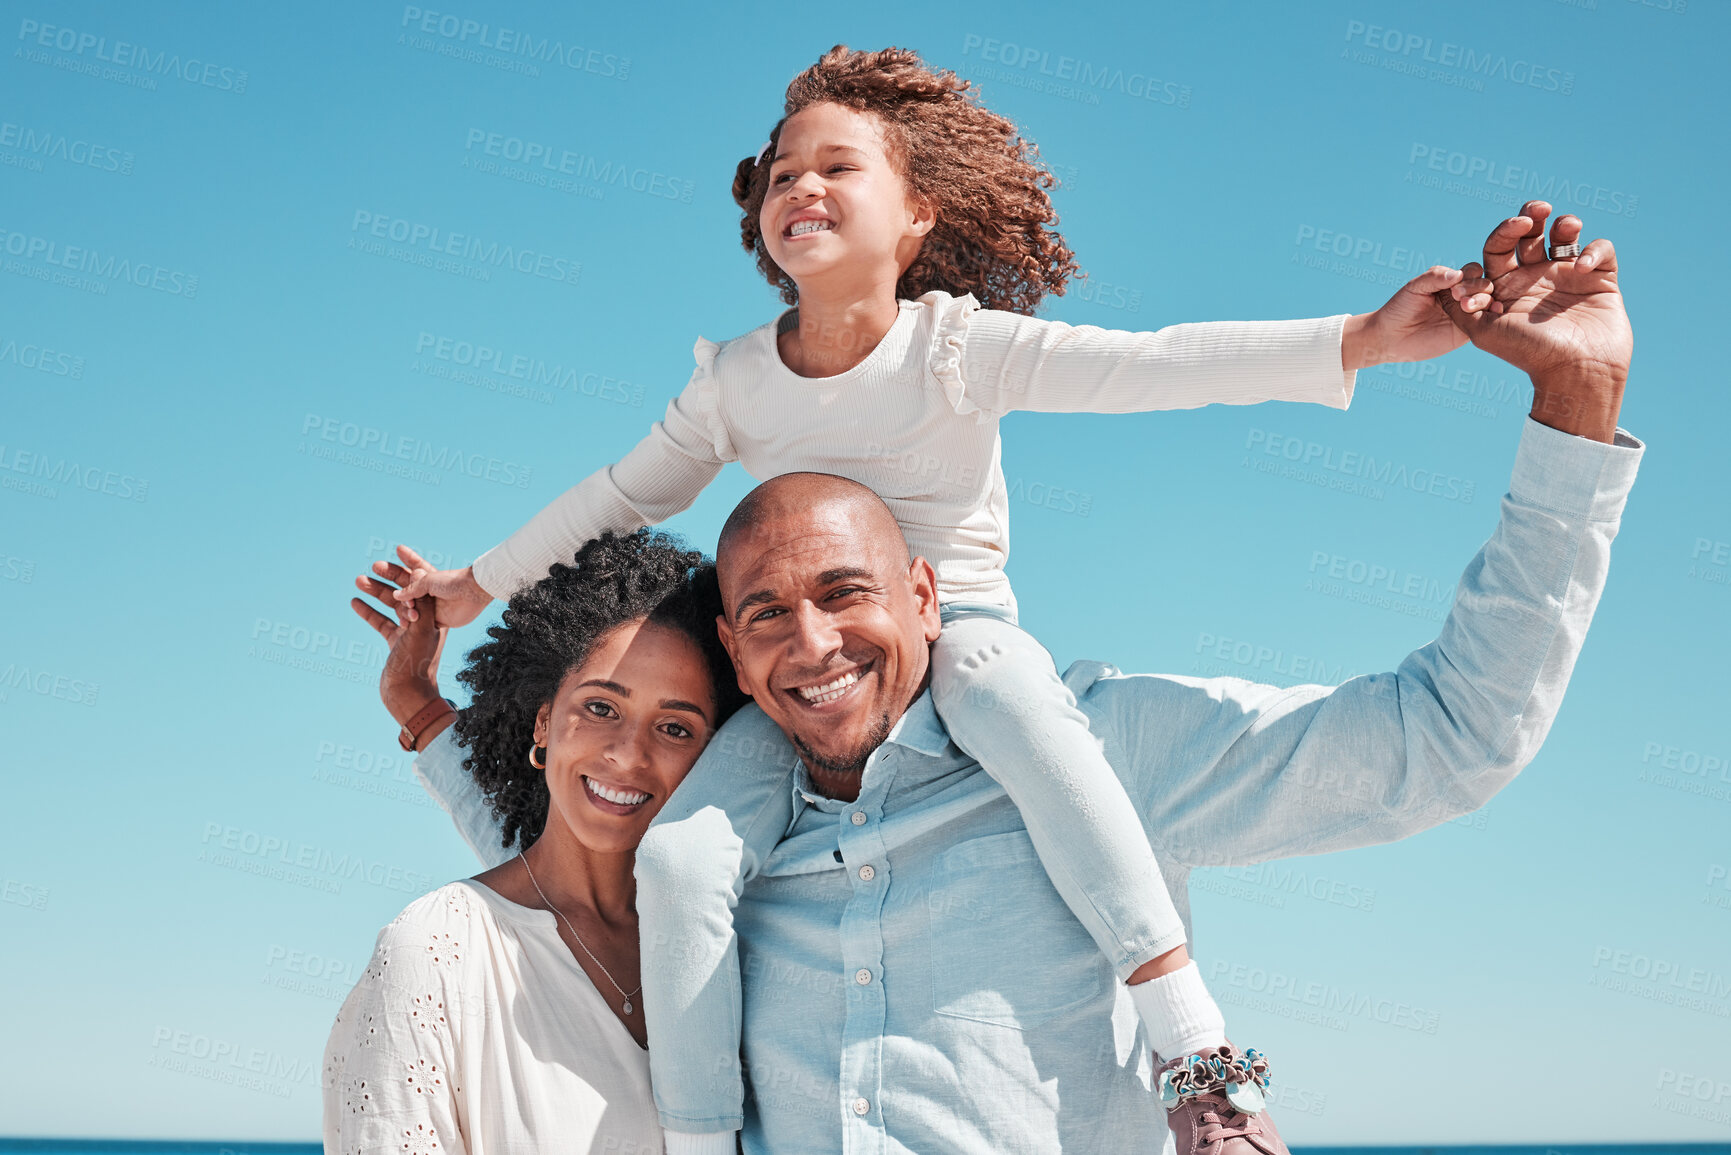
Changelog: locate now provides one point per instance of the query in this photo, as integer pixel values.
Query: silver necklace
(575, 935)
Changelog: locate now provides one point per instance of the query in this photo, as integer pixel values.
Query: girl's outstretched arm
(998, 362)
(661, 476)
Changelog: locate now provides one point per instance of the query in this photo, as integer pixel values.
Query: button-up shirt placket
(862, 941)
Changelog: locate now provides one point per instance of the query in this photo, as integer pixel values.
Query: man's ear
(725, 633)
(924, 583)
(541, 717)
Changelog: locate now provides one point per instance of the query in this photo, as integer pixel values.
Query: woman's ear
(541, 717)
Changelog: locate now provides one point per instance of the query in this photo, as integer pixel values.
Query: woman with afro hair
(503, 1012)
(911, 231)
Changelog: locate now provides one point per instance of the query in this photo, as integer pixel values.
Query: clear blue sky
(206, 818)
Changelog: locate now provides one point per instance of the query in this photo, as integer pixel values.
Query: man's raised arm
(1233, 772)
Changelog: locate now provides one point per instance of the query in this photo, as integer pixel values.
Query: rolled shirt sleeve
(440, 770)
(1232, 772)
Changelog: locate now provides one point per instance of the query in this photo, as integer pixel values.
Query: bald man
(906, 977)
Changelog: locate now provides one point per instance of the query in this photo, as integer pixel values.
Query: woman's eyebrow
(666, 703)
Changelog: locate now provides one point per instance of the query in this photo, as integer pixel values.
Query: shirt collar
(919, 729)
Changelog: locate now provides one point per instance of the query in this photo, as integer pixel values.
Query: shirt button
(860, 1106)
(859, 818)
(866, 873)
(863, 977)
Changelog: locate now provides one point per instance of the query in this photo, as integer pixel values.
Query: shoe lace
(1215, 1125)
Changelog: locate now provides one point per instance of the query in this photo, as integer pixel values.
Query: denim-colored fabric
(946, 999)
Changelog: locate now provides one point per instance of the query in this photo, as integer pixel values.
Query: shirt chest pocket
(1005, 948)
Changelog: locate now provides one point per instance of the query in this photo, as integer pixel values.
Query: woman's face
(836, 203)
(622, 731)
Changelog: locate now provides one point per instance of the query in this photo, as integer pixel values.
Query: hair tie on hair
(763, 149)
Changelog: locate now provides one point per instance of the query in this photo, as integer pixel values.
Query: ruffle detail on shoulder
(706, 393)
(949, 342)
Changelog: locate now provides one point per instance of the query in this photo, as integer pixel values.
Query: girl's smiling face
(838, 212)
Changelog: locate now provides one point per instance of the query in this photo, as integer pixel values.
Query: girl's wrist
(1358, 343)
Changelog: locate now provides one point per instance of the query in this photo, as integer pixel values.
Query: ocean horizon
(60, 1146)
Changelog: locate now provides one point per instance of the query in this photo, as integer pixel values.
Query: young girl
(912, 230)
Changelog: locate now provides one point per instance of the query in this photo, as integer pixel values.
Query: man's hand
(1411, 327)
(458, 598)
(1561, 322)
(411, 675)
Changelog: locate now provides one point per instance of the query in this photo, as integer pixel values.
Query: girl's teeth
(804, 227)
(622, 797)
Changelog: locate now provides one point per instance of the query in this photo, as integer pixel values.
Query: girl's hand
(411, 675)
(458, 598)
(1411, 327)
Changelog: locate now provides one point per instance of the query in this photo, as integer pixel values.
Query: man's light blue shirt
(910, 980)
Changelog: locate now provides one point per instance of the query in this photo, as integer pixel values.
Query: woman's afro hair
(550, 629)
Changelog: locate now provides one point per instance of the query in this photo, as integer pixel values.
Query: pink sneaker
(1214, 1103)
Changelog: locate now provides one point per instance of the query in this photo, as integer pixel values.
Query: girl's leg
(691, 867)
(1002, 700)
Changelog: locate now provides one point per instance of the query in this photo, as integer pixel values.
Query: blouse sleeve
(660, 477)
(391, 1072)
(991, 363)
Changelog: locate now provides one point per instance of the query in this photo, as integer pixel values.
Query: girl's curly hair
(995, 234)
(550, 629)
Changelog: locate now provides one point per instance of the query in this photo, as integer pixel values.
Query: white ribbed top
(917, 421)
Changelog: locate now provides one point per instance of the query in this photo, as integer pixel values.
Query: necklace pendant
(627, 1006)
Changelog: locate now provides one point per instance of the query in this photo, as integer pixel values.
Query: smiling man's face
(827, 620)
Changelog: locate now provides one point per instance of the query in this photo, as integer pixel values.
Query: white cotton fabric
(917, 421)
(475, 1032)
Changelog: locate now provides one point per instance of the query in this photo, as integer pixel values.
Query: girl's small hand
(1411, 327)
(457, 597)
(410, 678)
